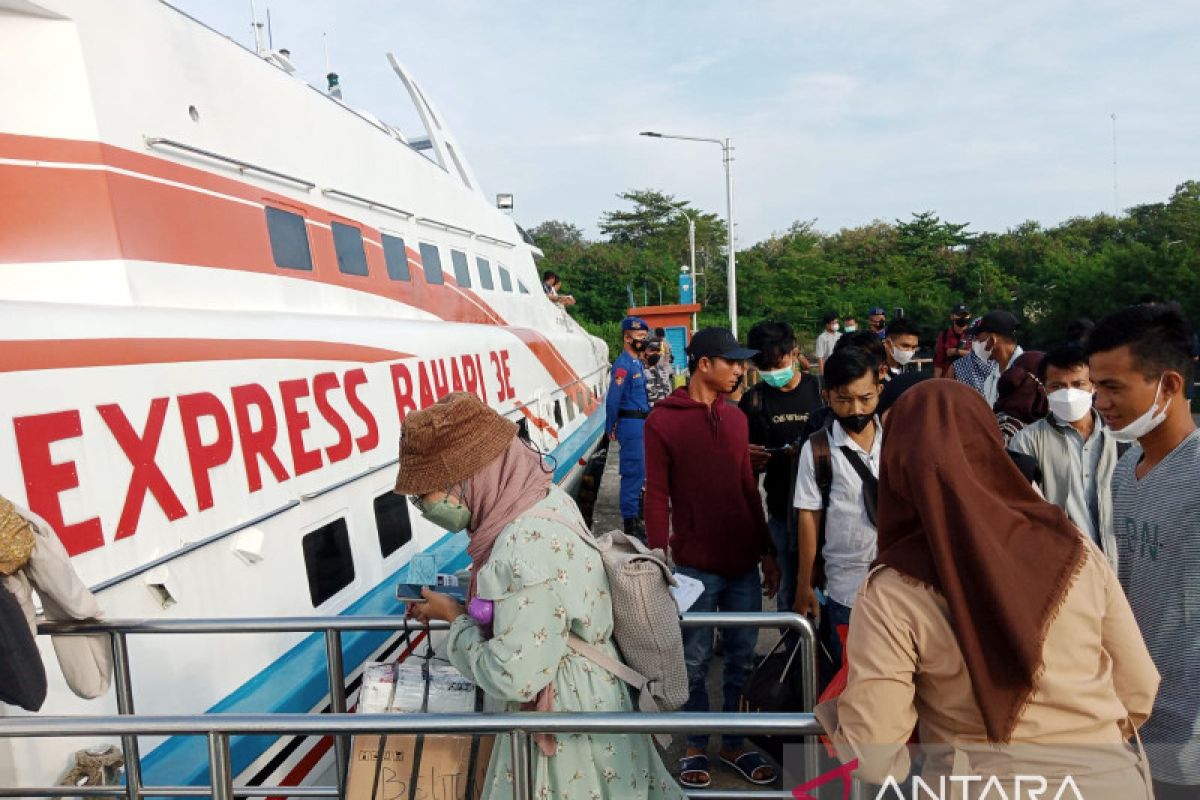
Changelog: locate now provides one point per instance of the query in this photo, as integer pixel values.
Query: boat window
(328, 561)
(462, 275)
(558, 417)
(289, 239)
(485, 273)
(431, 260)
(396, 258)
(392, 522)
(348, 243)
(522, 285)
(505, 279)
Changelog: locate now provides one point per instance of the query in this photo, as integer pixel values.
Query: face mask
(447, 516)
(779, 377)
(961, 321)
(639, 344)
(1070, 405)
(856, 423)
(1145, 423)
(834, 327)
(902, 356)
(980, 348)
(652, 360)
(851, 329)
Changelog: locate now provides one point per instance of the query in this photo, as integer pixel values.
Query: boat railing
(219, 727)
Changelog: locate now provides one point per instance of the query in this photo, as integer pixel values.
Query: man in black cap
(952, 343)
(996, 341)
(701, 491)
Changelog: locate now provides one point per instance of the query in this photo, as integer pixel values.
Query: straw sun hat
(450, 440)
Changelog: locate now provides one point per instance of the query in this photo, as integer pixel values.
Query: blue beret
(634, 324)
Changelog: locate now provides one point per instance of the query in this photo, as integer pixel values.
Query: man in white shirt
(996, 341)
(827, 339)
(836, 484)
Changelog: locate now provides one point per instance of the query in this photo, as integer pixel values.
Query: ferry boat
(222, 289)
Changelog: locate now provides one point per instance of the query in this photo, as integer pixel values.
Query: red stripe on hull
(35, 354)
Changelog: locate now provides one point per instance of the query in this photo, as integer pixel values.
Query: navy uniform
(626, 408)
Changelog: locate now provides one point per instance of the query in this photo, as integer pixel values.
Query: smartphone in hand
(411, 592)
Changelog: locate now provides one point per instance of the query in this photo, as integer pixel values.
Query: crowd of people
(1042, 501)
(1003, 555)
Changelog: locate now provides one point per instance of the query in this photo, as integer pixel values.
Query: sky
(989, 113)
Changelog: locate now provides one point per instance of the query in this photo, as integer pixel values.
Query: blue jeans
(741, 593)
(833, 614)
(632, 465)
(784, 539)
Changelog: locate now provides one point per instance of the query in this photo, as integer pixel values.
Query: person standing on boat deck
(827, 339)
(625, 410)
(996, 343)
(1074, 449)
(777, 410)
(848, 452)
(900, 344)
(701, 491)
(465, 468)
(1141, 366)
(550, 284)
(989, 623)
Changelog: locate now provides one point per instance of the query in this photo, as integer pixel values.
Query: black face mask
(652, 360)
(961, 321)
(856, 423)
(639, 344)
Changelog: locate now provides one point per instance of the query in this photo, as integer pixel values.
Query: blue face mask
(779, 377)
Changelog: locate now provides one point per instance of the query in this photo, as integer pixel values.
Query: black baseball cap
(1000, 322)
(718, 343)
(960, 309)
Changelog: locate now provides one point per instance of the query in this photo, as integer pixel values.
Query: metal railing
(219, 727)
(518, 727)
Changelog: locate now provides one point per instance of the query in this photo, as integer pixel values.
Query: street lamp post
(731, 262)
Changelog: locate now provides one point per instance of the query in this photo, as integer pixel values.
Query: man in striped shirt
(1141, 367)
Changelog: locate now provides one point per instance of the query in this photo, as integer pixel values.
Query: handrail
(332, 627)
(338, 194)
(242, 166)
(446, 226)
(352, 724)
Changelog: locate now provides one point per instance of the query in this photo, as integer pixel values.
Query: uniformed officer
(626, 409)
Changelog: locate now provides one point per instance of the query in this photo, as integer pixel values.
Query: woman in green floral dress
(469, 470)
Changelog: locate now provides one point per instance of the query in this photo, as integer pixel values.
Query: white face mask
(834, 327)
(902, 356)
(1145, 423)
(1070, 405)
(981, 350)
(850, 329)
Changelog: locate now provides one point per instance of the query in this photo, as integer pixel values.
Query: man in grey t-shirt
(1141, 366)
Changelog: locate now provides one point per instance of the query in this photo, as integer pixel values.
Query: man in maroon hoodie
(701, 492)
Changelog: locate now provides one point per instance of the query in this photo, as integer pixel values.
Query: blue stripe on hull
(296, 682)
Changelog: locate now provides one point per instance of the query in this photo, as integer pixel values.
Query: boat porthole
(193, 113)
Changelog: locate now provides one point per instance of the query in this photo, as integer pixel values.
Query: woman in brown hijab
(988, 623)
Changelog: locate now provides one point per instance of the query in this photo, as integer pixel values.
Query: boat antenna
(335, 86)
(256, 29)
(270, 36)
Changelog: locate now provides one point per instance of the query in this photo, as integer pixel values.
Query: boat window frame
(425, 268)
(462, 273)
(337, 227)
(317, 564)
(399, 275)
(274, 217)
(484, 267)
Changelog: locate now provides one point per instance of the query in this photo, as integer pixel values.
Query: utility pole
(1116, 200)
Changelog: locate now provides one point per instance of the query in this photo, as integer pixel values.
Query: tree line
(1083, 267)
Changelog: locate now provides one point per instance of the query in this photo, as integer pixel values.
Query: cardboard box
(444, 768)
